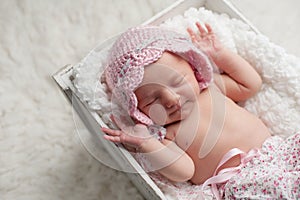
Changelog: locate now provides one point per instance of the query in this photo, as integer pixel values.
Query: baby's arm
(165, 157)
(239, 81)
(171, 161)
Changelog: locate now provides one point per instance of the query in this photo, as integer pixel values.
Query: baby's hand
(205, 40)
(131, 136)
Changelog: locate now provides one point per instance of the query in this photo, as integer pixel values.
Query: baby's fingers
(208, 28)
(191, 32)
(112, 138)
(201, 29)
(115, 139)
(111, 131)
(112, 135)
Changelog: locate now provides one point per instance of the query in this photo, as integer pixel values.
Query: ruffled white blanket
(277, 104)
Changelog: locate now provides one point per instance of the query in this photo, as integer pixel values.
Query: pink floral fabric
(274, 174)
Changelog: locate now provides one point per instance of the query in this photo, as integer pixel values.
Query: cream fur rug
(41, 156)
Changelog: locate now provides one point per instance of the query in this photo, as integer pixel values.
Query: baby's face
(168, 91)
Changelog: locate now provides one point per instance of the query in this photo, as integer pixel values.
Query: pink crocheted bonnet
(141, 46)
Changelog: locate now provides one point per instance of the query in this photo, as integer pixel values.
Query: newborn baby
(163, 79)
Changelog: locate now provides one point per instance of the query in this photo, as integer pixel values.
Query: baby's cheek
(190, 92)
(158, 114)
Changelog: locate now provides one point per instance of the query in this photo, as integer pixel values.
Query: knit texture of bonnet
(141, 46)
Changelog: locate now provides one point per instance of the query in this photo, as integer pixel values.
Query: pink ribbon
(227, 173)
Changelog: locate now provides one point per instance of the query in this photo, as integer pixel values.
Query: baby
(162, 79)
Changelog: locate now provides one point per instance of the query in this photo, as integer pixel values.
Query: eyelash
(178, 82)
(152, 101)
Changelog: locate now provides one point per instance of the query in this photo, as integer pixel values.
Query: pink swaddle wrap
(141, 46)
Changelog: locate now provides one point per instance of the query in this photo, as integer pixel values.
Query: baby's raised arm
(165, 157)
(239, 81)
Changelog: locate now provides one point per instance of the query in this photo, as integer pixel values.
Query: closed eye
(148, 103)
(179, 80)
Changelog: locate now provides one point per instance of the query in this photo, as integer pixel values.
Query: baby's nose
(172, 99)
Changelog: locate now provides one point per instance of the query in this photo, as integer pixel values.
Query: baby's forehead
(158, 73)
(168, 65)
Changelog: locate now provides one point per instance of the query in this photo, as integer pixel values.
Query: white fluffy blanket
(277, 104)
